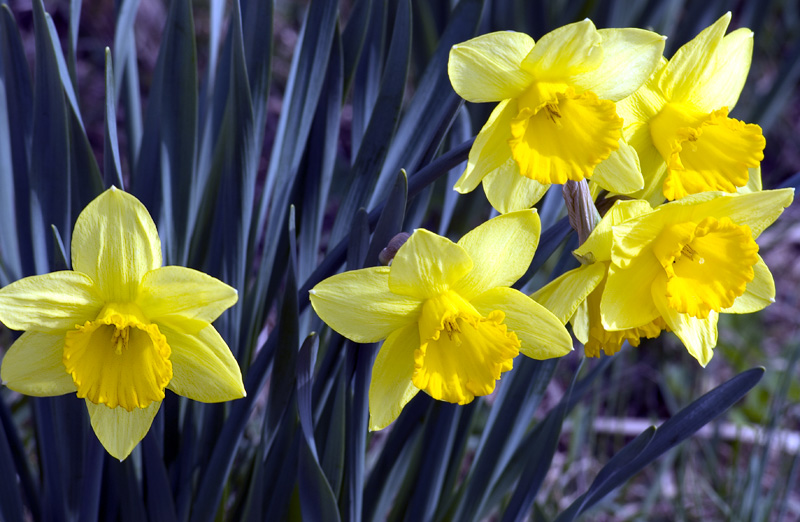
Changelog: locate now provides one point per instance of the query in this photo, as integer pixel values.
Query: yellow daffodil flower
(690, 260)
(556, 119)
(575, 296)
(452, 324)
(119, 328)
(678, 121)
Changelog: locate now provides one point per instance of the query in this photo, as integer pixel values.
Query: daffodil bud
(388, 253)
(583, 215)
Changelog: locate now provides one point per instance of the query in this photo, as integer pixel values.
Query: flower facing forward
(678, 121)
(451, 323)
(120, 328)
(575, 296)
(688, 261)
(556, 119)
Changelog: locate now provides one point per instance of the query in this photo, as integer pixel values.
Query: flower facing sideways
(120, 328)
(575, 296)
(690, 260)
(556, 119)
(678, 121)
(452, 324)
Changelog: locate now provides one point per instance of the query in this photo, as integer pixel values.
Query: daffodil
(452, 324)
(575, 296)
(556, 120)
(678, 121)
(688, 261)
(119, 328)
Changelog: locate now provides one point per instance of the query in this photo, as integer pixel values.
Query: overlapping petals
(556, 120)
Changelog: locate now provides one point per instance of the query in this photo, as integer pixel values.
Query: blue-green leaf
(671, 433)
(111, 164)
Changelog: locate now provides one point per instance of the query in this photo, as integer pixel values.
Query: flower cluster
(580, 104)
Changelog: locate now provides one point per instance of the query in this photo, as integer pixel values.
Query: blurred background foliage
(301, 102)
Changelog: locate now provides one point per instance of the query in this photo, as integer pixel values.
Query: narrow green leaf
(671, 433)
(165, 169)
(54, 501)
(367, 74)
(382, 123)
(303, 90)
(16, 109)
(390, 221)
(92, 480)
(74, 24)
(22, 466)
(538, 459)
(111, 164)
(50, 173)
(60, 259)
(317, 501)
(317, 171)
(126, 79)
(123, 39)
(160, 506)
(333, 452)
(10, 497)
(436, 454)
(353, 37)
(434, 105)
(519, 394)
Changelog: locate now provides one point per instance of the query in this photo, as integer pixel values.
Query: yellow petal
(759, 294)
(626, 301)
(630, 56)
(490, 150)
(597, 246)
(620, 172)
(722, 85)
(203, 367)
(564, 140)
(427, 264)
(501, 250)
(33, 365)
(610, 342)
(566, 52)
(508, 191)
(53, 302)
(183, 298)
(119, 359)
(461, 353)
(580, 323)
(654, 168)
(489, 68)
(541, 334)
(693, 62)
(698, 335)
(359, 305)
(753, 181)
(647, 101)
(118, 430)
(391, 387)
(115, 242)
(563, 295)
